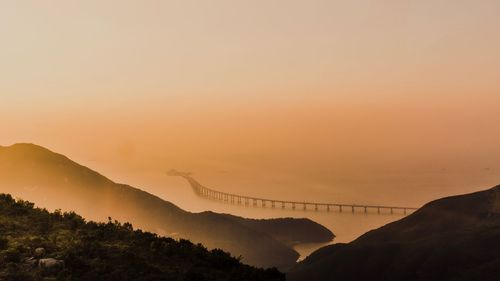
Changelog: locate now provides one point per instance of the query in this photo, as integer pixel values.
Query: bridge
(237, 199)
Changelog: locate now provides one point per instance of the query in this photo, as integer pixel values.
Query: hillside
(455, 238)
(290, 231)
(49, 179)
(79, 250)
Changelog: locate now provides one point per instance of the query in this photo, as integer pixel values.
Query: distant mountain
(455, 238)
(46, 178)
(38, 245)
(290, 231)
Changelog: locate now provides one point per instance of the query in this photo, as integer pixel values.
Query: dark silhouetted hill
(290, 231)
(49, 179)
(38, 245)
(455, 238)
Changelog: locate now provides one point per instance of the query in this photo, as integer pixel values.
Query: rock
(50, 263)
(39, 252)
(32, 262)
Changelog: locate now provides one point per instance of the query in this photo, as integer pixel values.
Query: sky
(359, 100)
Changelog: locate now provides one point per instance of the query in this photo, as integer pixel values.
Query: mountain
(38, 245)
(49, 179)
(455, 238)
(290, 231)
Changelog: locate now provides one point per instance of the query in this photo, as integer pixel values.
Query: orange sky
(302, 88)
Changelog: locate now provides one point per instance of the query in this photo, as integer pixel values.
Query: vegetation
(454, 238)
(105, 251)
(290, 231)
(53, 181)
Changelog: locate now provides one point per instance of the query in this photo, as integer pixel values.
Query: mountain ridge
(39, 245)
(452, 238)
(47, 178)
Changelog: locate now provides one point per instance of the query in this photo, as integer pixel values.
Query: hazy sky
(299, 87)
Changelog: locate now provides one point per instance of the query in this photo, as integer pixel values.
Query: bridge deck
(231, 198)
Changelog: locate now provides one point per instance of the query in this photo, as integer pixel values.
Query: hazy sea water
(401, 189)
(405, 191)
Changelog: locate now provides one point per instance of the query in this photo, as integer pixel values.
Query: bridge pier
(212, 194)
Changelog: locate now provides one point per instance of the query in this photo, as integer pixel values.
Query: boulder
(50, 263)
(39, 253)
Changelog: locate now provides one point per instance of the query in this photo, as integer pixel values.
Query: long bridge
(237, 199)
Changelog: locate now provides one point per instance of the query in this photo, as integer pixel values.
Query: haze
(354, 101)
